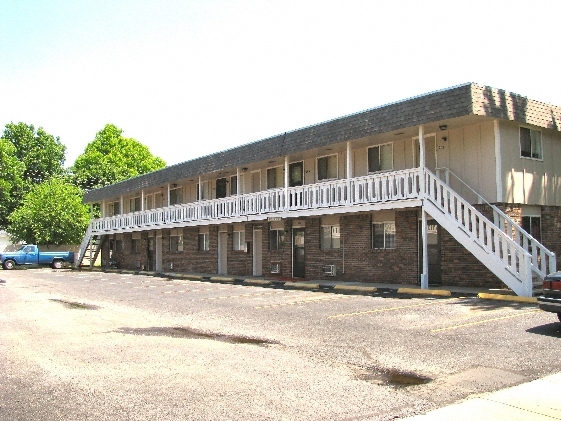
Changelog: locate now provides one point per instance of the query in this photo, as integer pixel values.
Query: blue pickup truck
(29, 254)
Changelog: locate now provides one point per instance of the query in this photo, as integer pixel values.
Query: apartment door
(296, 174)
(298, 253)
(222, 253)
(221, 188)
(151, 255)
(430, 153)
(255, 181)
(159, 254)
(257, 252)
(433, 251)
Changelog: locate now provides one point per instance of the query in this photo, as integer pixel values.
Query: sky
(189, 78)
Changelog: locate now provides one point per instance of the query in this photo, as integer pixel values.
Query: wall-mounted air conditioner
(275, 267)
(329, 270)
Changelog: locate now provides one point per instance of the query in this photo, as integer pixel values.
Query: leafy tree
(51, 213)
(11, 181)
(41, 153)
(111, 157)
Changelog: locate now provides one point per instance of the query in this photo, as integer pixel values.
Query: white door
(222, 253)
(158, 254)
(257, 252)
(255, 181)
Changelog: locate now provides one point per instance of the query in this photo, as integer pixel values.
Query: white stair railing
(543, 260)
(83, 246)
(489, 243)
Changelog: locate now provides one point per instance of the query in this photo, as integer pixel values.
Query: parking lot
(99, 346)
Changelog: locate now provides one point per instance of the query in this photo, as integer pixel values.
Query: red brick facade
(355, 260)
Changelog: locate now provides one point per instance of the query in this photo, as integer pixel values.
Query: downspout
(349, 171)
(286, 183)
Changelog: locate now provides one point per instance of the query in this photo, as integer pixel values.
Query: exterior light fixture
(443, 127)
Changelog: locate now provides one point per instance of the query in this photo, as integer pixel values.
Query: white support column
(498, 162)
(238, 182)
(200, 190)
(422, 146)
(349, 170)
(425, 269)
(121, 202)
(142, 207)
(286, 181)
(169, 196)
(422, 164)
(103, 213)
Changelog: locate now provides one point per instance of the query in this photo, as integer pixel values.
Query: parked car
(29, 254)
(550, 300)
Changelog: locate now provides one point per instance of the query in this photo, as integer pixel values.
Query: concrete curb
(221, 279)
(338, 288)
(297, 285)
(513, 298)
(257, 282)
(438, 292)
(355, 288)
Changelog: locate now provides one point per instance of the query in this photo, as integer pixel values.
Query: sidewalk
(538, 400)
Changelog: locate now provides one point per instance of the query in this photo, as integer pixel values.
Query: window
(380, 158)
(276, 239)
(233, 185)
(327, 167)
(134, 245)
(533, 226)
(134, 204)
(176, 196)
(239, 240)
(176, 243)
(530, 143)
(383, 235)
(330, 237)
(204, 241)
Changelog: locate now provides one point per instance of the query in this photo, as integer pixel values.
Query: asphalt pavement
(537, 400)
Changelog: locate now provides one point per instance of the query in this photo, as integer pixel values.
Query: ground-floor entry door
(298, 253)
(159, 254)
(433, 252)
(151, 255)
(223, 253)
(257, 252)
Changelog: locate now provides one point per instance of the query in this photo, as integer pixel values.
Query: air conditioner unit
(329, 270)
(275, 267)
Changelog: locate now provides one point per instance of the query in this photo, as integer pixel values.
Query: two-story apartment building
(458, 187)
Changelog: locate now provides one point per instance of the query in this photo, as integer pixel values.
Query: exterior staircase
(508, 251)
(89, 248)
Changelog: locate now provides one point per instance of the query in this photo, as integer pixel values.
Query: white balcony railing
(377, 188)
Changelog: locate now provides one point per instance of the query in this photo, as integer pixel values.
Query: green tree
(11, 181)
(110, 158)
(41, 153)
(51, 213)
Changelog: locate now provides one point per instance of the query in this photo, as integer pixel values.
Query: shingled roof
(458, 101)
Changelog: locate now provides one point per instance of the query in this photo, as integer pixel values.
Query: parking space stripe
(309, 301)
(381, 310)
(485, 321)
